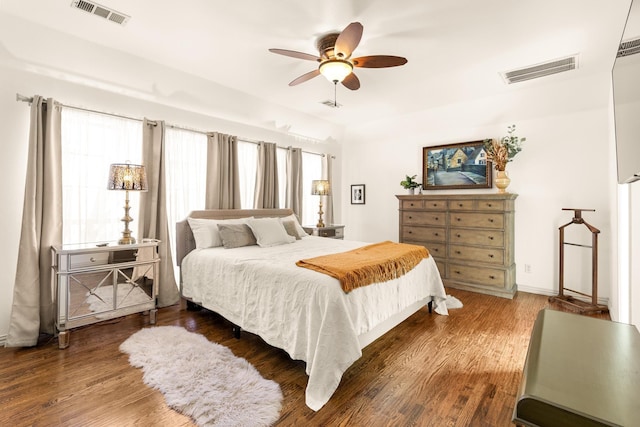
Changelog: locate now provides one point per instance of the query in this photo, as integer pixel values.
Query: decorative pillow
(299, 230)
(205, 231)
(269, 232)
(236, 235)
(290, 228)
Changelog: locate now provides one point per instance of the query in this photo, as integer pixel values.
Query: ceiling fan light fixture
(336, 70)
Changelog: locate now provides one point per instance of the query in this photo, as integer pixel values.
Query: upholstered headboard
(185, 242)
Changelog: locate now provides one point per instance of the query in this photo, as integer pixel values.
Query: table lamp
(320, 187)
(127, 177)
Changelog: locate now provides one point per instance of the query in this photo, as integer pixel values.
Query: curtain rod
(29, 100)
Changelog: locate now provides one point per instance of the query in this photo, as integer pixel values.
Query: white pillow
(269, 232)
(299, 228)
(206, 233)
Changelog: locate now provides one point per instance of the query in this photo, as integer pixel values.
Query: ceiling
(456, 50)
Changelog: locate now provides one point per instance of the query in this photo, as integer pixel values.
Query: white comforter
(301, 311)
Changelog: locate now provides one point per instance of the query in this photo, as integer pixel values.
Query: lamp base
(126, 240)
(320, 221)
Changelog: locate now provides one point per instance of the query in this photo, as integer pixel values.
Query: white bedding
(304, 312)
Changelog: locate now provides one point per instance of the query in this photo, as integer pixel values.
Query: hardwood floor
(458, 370)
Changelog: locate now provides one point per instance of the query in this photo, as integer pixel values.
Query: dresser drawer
(491, 205)
(85, 260)
(424, 218)
(435, 205)
(462, 205)
(483, 220)
(436, 250)
(478, 275)
(412, 204)
(475, 254)
(423, 234)
(465, 236)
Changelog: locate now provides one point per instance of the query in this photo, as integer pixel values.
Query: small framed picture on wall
(357, 194)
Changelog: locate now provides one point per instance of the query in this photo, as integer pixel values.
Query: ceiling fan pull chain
(335, 94)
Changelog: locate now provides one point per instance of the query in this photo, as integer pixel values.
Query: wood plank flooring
(458, 370)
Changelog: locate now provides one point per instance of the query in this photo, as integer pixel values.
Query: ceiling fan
(335, 60)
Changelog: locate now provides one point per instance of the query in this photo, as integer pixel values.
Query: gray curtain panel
(153, 208)
(266, 192)
(223, 177)
(327, 173)
(33, 309)
(294, 181)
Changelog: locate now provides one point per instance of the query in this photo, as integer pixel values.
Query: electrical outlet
(527, 268)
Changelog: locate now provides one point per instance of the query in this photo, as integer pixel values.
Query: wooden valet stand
(580, 305)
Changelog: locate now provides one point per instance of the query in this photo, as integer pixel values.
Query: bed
(304, 312)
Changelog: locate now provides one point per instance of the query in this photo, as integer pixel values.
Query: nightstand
(93, 282)
(330, 231)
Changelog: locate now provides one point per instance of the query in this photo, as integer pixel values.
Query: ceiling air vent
(630, 47)
(332, 104)
(101, 11)
(541, 70)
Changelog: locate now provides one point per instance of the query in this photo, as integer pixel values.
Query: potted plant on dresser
(409, 183)
(500, 152)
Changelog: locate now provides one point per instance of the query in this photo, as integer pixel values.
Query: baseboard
(550, 293)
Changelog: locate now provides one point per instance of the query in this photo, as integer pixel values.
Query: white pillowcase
(299, 228)
(269, 232)
(206, 233)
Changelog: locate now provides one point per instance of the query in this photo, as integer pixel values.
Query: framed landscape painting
(456, 166)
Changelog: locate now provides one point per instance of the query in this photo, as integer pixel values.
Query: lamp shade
(320, 187)
(335, 70)
(125, 176)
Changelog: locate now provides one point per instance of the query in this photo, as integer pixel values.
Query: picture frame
(357, 194)
(462, 165)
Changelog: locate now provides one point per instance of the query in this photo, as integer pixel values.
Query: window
(248, 167)
(90, 143)
(311, 169)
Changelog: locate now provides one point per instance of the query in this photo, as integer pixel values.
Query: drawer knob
(437, 218)
(458, 235)
(460, 204)
(436, 234)
(490, 219)
(489, 204)
(410, 217)
(435, 205)
(410, 232)
(492, 277)
(490, 237)
(435, 250)
(490, 255)
(457, 272)
(92, 259)
(458, 252)
(458, 219)
(411, 204)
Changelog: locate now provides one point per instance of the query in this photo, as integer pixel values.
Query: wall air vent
(330, 103)
(541, 70)
(629, 47)
(101, 11)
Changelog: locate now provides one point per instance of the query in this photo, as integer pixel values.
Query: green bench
(580, 371)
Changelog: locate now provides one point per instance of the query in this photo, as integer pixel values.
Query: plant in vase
(409, 183)
(500, 152)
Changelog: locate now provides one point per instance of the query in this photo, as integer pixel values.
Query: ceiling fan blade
(348, 40)
(295, 54)
(379, 61)
(351, 82)
(303, 78)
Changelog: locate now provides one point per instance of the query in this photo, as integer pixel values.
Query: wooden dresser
(470, 236)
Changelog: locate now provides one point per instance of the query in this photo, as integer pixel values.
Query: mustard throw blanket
(369, 264)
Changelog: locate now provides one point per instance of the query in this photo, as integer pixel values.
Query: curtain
(294, 181)
(33, 310)
(153, 208)
(266, 192)
(327, 173)
(223, 178)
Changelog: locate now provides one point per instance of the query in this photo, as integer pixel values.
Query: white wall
(566, 163)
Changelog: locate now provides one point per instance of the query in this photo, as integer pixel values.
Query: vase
(502, 181)
(411, 191)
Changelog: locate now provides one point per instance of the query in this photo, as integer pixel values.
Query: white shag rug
(453, 302)
(202, 379)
